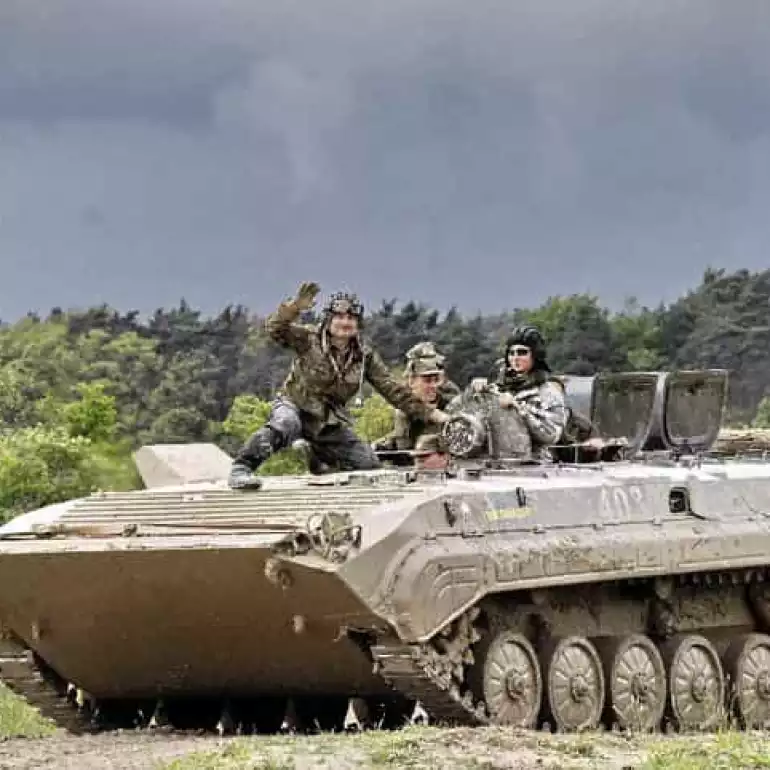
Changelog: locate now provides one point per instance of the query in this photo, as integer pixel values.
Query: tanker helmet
(530, 337)
(341, 303)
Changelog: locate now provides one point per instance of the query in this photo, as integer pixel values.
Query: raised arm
(281, 325)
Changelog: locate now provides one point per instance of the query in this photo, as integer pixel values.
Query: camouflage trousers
(335, 446)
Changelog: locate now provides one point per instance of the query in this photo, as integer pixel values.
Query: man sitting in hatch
(524, 383)
(427, 380)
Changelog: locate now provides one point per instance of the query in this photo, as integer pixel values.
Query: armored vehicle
(622, 582)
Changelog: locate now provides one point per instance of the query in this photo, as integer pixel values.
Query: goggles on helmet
(344, 304)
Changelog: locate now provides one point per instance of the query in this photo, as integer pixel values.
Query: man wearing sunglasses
(331, 364)
(524, 383)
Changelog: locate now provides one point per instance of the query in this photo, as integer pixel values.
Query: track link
(21, 673)
(406, 669)
(434, 677)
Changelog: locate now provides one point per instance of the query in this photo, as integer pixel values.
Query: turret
(630, 413)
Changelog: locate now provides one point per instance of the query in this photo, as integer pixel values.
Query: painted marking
(494, 514)
(618, 503)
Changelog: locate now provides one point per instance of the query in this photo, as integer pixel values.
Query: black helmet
(342, 302)
(530, 337)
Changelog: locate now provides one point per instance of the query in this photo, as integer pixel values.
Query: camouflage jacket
(410, 433)
(541, 404)
(321, 385)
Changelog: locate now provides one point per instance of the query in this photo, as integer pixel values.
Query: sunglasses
(517, 350)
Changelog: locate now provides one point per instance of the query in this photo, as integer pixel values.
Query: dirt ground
(108, 751)
(488, 748)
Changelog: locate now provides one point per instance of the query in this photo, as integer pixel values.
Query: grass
(722, 751)
(18, 720)
(485, 749)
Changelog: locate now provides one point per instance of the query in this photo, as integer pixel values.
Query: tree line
(81, 389)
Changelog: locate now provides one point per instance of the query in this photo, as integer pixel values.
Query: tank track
(436, 674)
(432, 676)
(28, 677)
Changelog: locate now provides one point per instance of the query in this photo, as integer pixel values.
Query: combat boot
(242, 477)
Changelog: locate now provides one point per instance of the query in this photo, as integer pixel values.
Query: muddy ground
(411, 748)
(125, 750)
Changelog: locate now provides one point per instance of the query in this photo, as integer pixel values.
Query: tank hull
(141, 622)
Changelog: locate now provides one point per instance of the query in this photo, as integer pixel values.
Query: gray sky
(486, 154)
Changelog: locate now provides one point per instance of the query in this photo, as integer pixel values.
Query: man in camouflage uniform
(427, 379)
(524, 383)
(330, 367)
(447, 390)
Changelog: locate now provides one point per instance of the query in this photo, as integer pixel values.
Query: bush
(374, 419)
(40, 466)
(94, 415)
(72, 454)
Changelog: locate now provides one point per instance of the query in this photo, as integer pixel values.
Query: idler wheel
(696, 684)
(636, 682)
(747, 663)
(574, 680)
(511, 681)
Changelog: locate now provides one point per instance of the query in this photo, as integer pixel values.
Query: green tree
(637, 333)
(19, 396)
(579, 333)
(44, 465)
(94, 415)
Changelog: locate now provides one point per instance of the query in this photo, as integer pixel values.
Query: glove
(506, 400)
(478, 384)
(306, 294)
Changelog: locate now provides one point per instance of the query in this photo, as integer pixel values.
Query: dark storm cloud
(224, 151)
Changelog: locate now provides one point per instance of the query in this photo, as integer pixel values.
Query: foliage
(93, 415)
(40, 466)
(86, 387)
(72, 453)
(374, 419)
(19, 720)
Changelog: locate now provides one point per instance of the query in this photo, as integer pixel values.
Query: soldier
(524, 384)
(447, 390)
(330, 367)
(427, 380)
